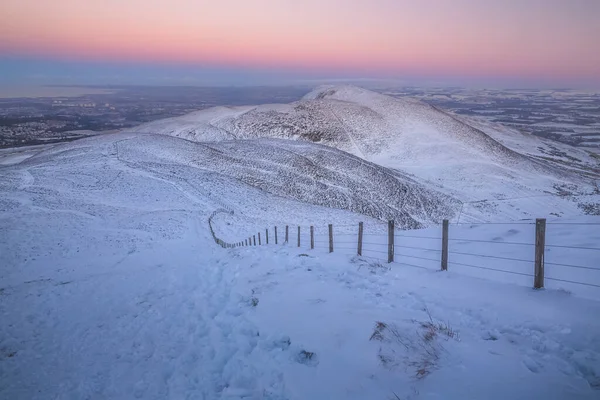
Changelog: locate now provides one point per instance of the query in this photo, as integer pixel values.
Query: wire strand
(486, 256)
(376, 251)
(419, 258)
(418, 237)
(415, 248)
(488, 268)
(571, 266)
(492, 223)
(371, 257)
(573, 223)
(576, 283)
(411, 265)
(491, 241)
(343, 248)
(572, 247)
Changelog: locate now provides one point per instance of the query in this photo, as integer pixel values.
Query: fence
(412, 248)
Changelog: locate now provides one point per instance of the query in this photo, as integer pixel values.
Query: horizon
(515, 44)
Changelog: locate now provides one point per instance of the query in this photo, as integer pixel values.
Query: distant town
(567, 116)
(37, 120)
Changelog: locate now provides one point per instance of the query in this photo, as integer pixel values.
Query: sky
(483, 42)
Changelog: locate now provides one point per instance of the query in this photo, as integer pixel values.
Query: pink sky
(548, 38)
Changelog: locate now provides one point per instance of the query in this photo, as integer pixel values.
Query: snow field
(112, 287)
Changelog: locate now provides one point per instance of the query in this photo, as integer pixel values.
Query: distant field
(564, 115)
(8, 92)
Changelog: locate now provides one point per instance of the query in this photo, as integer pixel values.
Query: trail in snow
(347, 130)
(112, 287)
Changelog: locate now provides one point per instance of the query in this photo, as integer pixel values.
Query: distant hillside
(491, 170)
(301, 171)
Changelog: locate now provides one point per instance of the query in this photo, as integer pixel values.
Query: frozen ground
(111, 287)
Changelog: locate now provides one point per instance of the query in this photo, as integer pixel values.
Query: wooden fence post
(312, 237)
(540, 244)
(330, 238)
(360, 235)
(267, 235)
(298, 236)
(445, 224)
(390, 241)
(254, 240)
(287, 234)
(275, 235)
(259, 239)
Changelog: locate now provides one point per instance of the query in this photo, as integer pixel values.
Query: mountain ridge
(434, 147)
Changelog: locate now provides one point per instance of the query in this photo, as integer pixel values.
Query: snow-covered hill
(111, 286)
(488, 168)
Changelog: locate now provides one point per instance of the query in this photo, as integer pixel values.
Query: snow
(112, 287)
(436, 149)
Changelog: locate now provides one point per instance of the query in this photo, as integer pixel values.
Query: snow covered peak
(434, 147)
(339, 92)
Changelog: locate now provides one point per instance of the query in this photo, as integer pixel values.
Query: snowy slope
(111, 287)
(479, 164)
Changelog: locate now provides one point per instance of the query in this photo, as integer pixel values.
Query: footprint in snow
(307, 358)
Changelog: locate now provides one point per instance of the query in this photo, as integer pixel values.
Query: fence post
(390, 241)
(267, 235)
(287, 234)
(360, 235)
(540, 243)
(245, 242)
(330, 238)
(298, 236)
(445, 224)
(275, 235)
(312, 237)
(254, 239)
(259, 239)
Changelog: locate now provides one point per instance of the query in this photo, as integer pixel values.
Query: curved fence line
(387, 247)
(217, 240)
